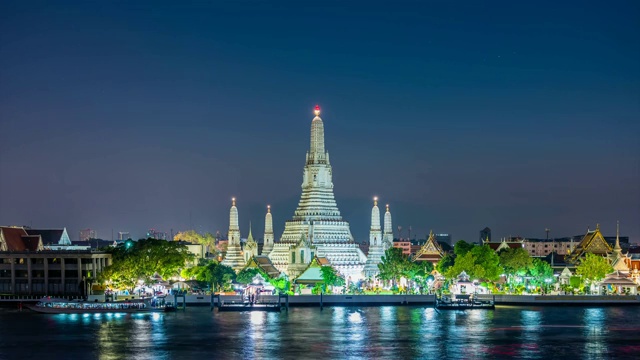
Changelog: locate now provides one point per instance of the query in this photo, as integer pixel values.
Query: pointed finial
(268, 208)
(597, 226)
(233, 201)
(387, 207)
(317, 110)
(375, 201)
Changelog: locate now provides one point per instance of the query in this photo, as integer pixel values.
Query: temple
(431, 251)
(234, 257)
(593, 242)
(317, 224)
(376, 246)
(250, 247)
(268, 233)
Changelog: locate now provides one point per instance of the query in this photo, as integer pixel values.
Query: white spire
(234, 257)
(388, 229)
(317, 135)
(268, 233)
(233, 216)
(375, 215)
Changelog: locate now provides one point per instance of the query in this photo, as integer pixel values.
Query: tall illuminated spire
(376, 247)
(317, 218)
(387, 238)
(316, 149)
(234, 257)
(268, 233)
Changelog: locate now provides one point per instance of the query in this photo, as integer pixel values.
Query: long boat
(62, 306)
(463, 302)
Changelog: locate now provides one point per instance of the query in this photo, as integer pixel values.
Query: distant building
(155, 234)
(123, 235)
(87, 234)
(485, 235)
(444, 238)
(403, 244)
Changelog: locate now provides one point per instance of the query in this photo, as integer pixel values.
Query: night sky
(520, 116)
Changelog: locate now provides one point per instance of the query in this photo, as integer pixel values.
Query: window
(302, 255)
(293, 257)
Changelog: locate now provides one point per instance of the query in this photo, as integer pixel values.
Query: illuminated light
(317, 110)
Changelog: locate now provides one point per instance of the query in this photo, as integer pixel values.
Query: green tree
(481, 262)
(462, 247)
(515, 261)
(394, 265)
(245, 276)
(445, 263)
(330, 277)
(540, 271)
(593, 268)
(142, 259)
(208, 240)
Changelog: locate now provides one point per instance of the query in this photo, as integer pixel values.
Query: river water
(386, 332)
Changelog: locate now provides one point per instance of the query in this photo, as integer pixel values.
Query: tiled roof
(32, 242)
(48, 236)
(12, 237)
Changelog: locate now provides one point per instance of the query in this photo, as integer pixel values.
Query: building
(14, 238)
(234, 258)
(317, 218)
(250, 247)
(123, 235)
(430, 251)
(485, 235)
(592, 242)
(403, 244)
(444, 238)
(51, 236)
(50, 272)
(155, 234)
(87, 234)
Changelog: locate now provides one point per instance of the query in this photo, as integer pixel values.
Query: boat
(49, 305)
(463, 302)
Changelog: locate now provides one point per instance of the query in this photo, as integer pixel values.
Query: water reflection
(333, 333)
(595, 332)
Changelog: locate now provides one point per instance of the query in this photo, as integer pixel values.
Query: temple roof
(17, 239)
(313, 273)
(593, 242)
(263, 262)
(430, 251)
(616, 278)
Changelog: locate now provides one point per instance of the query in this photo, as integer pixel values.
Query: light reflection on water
(332, 333)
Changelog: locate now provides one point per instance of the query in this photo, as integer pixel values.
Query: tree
(192, 236)
(394, 265)
(540, 271)
(515, 261)
(330, 277)
(462, 247)
(444, 264)
(488, 261)
(245, 276)
(481, 262)
(593, 268)
(140, 260)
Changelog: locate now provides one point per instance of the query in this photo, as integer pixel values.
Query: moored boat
(62, 306)
(463, 302)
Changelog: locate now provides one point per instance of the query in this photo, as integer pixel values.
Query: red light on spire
(317, 110)
(318, 107)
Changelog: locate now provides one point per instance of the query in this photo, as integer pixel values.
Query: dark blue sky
(517, 115)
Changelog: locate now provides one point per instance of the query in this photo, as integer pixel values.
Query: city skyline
(129, 122)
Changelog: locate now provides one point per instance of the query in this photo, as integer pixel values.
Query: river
(385, 332)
